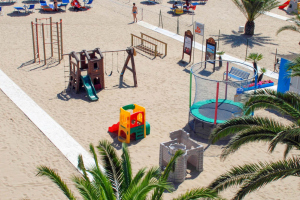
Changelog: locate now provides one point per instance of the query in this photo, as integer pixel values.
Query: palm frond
(148, 183)
(294, 67)
(126, 164)
(199, 193)
(112, 165)
(235, 176)
(288, 28)
(92, 150)
(269, 172)
(103, 182)
(82, 168)
(246, 123)
(86, 189)
(54, 177)
(287, 103)
(290, 137)
(158, 192)
(252, 9)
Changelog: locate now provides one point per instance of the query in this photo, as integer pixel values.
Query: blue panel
(283, 80)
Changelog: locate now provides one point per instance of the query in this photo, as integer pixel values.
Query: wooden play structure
(149, 45)
(51, 33)
(86, 68)
(131, 126)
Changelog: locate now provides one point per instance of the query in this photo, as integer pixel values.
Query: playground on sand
(163, 90)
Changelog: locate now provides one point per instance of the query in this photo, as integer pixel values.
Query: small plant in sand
(220, 53)
(255, 57)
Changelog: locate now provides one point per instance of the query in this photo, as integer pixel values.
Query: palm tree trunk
(249, 28)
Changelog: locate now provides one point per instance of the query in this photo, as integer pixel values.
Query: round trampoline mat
(205, 110)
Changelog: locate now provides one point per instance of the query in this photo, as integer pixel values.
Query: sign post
(187, 44)
(199, 29)
(210, 53)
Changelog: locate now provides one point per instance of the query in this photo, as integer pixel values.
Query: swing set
(52, 29)
(92, 61)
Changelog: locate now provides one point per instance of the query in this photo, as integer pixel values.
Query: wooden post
(58, 46)
(155, 53)
(216, 107)
(37, 40)
(33, 41)
(132, 40)
(44, 47)
(61, 40)
(166, 47)
(132, 69)
(51, 37)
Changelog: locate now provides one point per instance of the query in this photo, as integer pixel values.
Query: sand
(163, 89)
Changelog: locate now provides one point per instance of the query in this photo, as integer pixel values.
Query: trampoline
(215, 99)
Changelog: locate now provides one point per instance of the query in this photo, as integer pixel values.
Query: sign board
(210, 54)
(199, 28)
(188, 44)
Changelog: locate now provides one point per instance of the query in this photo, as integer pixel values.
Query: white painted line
(199, 47)
(69, 147)
(276, 16)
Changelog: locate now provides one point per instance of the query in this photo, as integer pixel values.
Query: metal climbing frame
(56, 38)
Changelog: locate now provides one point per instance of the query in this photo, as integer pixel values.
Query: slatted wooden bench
(237, 74)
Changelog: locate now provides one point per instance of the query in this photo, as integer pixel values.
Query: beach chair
(31, 8)
(47, 8)
(43, 3)
(64, 4)
(88, 2)
(1, 12)
(18, 9)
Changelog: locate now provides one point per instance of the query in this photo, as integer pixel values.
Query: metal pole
(194, 42)
(51, 37)
(226, 80)
(61, 40)
(43, 32)
(142, 14)
(58, 46)
(33, 41)
(37, 40)
(216, 107)
(159, 19)
(190, 103)
(177, 25)
(219, 40)
(202, 48)
(246, 50)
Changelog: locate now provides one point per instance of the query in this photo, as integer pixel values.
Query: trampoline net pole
(216, 108)
(226, 80)
(190, 89)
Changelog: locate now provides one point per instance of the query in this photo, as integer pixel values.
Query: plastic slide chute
(284, 5)
(89, 87)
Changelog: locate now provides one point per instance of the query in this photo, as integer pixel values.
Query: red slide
(114, 128)
(284, 5)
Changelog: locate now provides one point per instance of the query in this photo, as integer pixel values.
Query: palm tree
(249, 129)
(253, 9)
(255, 57)
(116, 181)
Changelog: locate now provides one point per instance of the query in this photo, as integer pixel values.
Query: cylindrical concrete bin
(241, 29)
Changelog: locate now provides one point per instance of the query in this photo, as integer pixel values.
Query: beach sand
(163, 89)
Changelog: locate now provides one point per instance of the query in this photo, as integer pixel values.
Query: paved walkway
(199, 47)
(69, 147)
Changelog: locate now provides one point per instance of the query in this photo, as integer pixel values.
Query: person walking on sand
(134, 12)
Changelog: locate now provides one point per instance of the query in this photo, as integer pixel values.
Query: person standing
(134, 12)
(55, 5)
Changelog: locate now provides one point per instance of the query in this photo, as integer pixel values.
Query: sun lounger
(64, 4)
(18, 9)
(47, 8)
(31, 8)
(88, 2)
(43, 3)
